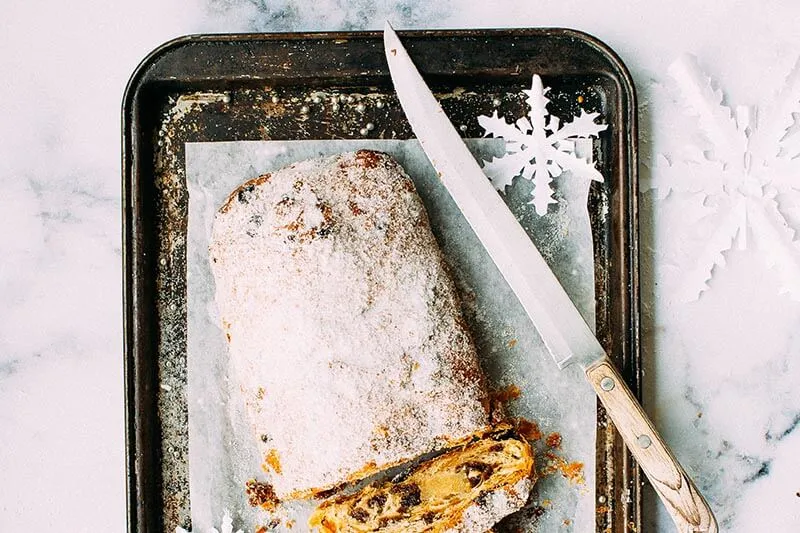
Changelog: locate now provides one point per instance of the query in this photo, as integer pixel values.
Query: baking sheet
(222, 453)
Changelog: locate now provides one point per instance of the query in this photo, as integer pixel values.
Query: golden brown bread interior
(467, 489)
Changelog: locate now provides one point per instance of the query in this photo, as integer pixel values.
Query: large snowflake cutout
(748, 161)
(539, 147)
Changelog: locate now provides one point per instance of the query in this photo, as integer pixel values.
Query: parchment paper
(222, 453)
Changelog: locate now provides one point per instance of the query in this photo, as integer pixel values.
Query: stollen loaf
(345, 337)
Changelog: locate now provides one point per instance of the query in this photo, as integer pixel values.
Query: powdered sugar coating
(345, 335)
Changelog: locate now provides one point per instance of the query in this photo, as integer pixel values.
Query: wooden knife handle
(684, 502)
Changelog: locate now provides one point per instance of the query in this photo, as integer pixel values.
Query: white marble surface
(722, 374)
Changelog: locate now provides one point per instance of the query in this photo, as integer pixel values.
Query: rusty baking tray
(227, 83)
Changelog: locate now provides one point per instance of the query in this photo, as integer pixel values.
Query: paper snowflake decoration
(227, 525)
(539, 147)
(748, 160)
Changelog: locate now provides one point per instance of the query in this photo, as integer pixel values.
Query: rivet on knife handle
(684, 502)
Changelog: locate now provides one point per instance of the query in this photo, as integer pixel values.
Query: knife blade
(565, 333)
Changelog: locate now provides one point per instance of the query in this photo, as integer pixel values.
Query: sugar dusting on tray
(222, 459)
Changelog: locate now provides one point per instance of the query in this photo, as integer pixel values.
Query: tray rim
(152, 59)
(629, 361)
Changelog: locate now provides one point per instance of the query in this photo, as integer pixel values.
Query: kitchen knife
(562, 328)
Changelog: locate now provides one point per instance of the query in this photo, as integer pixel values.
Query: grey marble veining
(339, 15)
(721, 375)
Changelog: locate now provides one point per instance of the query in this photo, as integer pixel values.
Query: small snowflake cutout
(748, 158)
(227, 525)
(540, 148)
